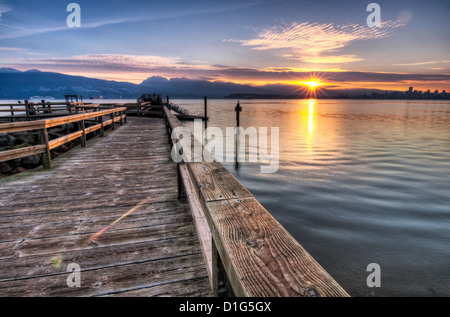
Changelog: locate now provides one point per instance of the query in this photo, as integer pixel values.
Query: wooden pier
(50, 215)
(138, 224)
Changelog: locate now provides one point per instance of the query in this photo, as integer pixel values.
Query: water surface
(359, 182)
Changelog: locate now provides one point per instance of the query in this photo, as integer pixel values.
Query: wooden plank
(49, 123)
(14, 110)
(183, 288)
(22, 126)
(109, 280)
(17, 220)
(89, 223)
(24, 267)
(74, 118)
(261, 258)
(22, 152)
(64, 139)
(201, 224)
(73, 240)
(215, 182)
(151, 251)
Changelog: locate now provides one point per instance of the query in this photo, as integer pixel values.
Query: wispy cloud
(313, 42)
(10, 49)
(421, 63)
(137, 68)
(123, 62)
(15, 31)
(3, 9)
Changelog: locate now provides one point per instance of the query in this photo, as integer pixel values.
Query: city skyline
(244, 42)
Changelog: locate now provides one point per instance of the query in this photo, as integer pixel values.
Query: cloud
(420, 63)
(137, 68)
(10, 49)
(316, 42)
(120, 62)
(3, 9)
(15, 31)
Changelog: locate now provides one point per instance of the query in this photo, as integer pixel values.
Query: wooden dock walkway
(113, 209)
(47, 218)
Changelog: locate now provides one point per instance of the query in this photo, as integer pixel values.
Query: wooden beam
(49, 123)
(22, 152)
(21, 126)
(201, 224)
(65, 139)
(46, 156)
(74, 118)
(259, 256)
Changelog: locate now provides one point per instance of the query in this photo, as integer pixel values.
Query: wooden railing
(33, 109)
(116, 115)
(247, 252)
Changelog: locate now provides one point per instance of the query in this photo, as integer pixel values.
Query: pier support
(46, 156)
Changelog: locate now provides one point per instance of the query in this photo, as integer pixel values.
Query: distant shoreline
(7, 101)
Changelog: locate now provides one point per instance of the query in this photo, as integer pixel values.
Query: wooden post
(26, 109)
(12, 110)
(102, 129)
(121, 118)
(168, 100)
(46, 156)
(237, 109)
(206, 108)
(181, 192)
(82, 126)
(220, 283)
(112, 117)
(169, 131)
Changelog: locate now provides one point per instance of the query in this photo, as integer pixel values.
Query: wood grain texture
(215, 182)
(259, 256)
(53, 214)
(17, 153)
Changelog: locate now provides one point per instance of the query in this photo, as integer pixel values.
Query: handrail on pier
(33, 109)
(116, 115)
(247, 252)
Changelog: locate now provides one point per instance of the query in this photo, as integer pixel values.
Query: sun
(312, 84)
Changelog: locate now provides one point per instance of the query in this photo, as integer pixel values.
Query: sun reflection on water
(311, 103)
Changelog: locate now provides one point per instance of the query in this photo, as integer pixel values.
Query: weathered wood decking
(47, 218)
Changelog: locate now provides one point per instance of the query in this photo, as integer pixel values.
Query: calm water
(359, 182)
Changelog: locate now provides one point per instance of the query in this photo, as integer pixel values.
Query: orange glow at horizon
(313, 84)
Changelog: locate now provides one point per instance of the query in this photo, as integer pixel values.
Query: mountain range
(15, 84)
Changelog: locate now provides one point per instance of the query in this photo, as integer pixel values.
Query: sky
(254, 42)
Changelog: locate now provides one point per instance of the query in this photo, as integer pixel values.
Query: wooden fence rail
(116, 115)
(32, 109)
(248, 253)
